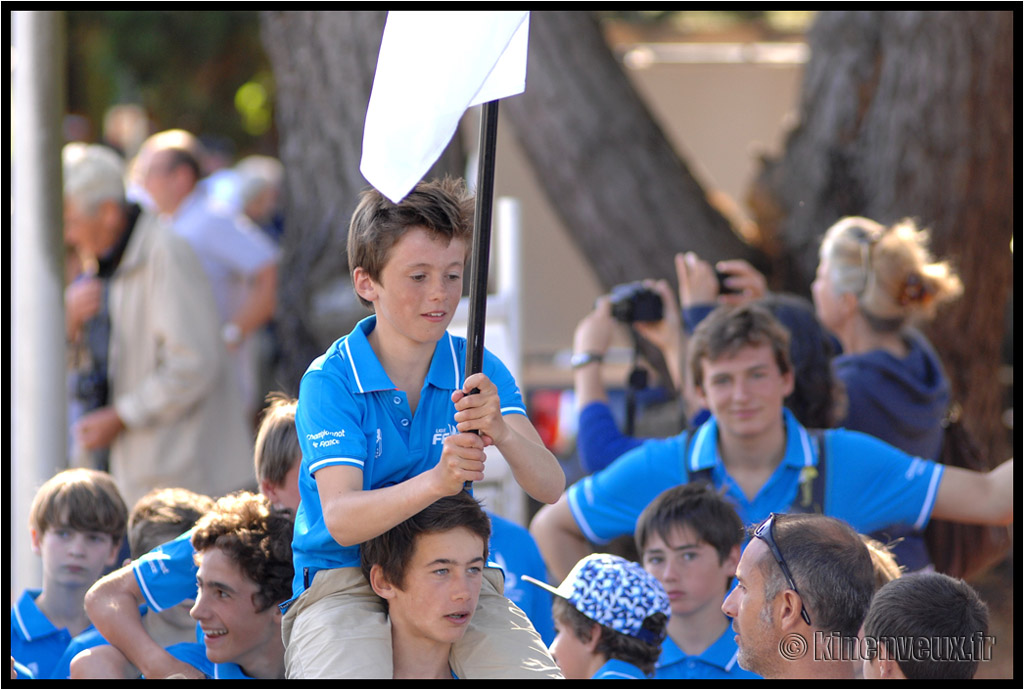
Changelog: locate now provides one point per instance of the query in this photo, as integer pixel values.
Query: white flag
(432, 67)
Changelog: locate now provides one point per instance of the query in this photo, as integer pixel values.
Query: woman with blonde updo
(874, 284)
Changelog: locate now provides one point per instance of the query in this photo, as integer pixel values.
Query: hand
(462, 460)
(594, 331)
(697, 281)
(82, 300)
(480, 411)
(98, 428)
(176, 670)
(667, 333)
(749, 283)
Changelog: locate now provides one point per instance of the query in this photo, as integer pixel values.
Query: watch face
(581, 358)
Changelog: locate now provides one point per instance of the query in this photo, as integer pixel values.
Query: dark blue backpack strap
(703, 475)
(810, 495)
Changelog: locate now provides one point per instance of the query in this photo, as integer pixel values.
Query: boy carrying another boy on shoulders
(385, 421)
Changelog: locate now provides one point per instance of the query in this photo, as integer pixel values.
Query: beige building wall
(718, 104)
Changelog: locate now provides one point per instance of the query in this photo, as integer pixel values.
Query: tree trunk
(323, 65)
(626, 197)
(911, 114)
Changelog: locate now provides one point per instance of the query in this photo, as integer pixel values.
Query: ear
(115, 549)
(268, 489)
(788, 382)
(888, 669)
(595, 638)
(109, 213)
(380, 584)
(732, 560)
(37, 542)
(788, 605)
(848, 304)
(365, 286)
(698, 394)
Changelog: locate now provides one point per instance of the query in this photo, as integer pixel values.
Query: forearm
(113, 607)
(599, 440)
(534, 467)
(559, 538)
(258, 307)
(354, 516)
(588, 386)
(984, 498)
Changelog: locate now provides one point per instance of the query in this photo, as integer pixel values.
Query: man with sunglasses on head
(763, 459)
(803, 586)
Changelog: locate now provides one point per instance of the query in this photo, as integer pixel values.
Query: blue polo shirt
(195, 654)
(36, 643)
(616, 669)
(716, 662)
(350, 413)
(869, 483)
(167, 574)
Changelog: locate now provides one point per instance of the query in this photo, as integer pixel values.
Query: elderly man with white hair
(169, 413)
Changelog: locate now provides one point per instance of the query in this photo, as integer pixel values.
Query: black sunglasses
(764, 533)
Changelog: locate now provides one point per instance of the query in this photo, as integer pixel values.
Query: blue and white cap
(614, 592)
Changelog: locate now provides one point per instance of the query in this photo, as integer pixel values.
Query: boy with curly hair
(243, 549)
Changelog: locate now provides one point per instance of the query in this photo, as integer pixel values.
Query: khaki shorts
(338, 628)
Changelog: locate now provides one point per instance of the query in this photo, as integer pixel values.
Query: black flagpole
(481, 241)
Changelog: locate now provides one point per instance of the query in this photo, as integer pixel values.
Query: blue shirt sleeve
(328, 424)
(872, 484)
(607, 504)
(85, 640)
(508, 390)
(167, 574)
(599, 440)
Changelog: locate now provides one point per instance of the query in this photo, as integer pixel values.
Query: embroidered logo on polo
(380, 444)
(441, 434)
(325, 439)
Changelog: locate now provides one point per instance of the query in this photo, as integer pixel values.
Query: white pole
(38, 403)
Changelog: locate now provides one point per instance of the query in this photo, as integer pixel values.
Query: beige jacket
(169, 378)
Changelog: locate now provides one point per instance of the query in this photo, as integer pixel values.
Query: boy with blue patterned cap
(610, 619)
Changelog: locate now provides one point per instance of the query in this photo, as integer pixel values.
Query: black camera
(724, 289)
(634, 302)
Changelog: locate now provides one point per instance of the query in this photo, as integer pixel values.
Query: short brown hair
(162, 515)
(696, 505)
(257, 537)
(729, 328)
(831, 566)
(444, 207)
(393, 550)
(277, 442)
(81, 499)
(614, 644)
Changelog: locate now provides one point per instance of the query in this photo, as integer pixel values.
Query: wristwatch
(231, 333)
(582, 359)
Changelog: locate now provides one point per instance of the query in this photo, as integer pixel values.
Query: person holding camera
(649, 309)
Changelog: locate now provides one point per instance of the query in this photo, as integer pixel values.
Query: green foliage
(185, 68)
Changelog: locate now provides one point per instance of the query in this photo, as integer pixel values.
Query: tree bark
(323, 65)
(625, 195)
(910, 114)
